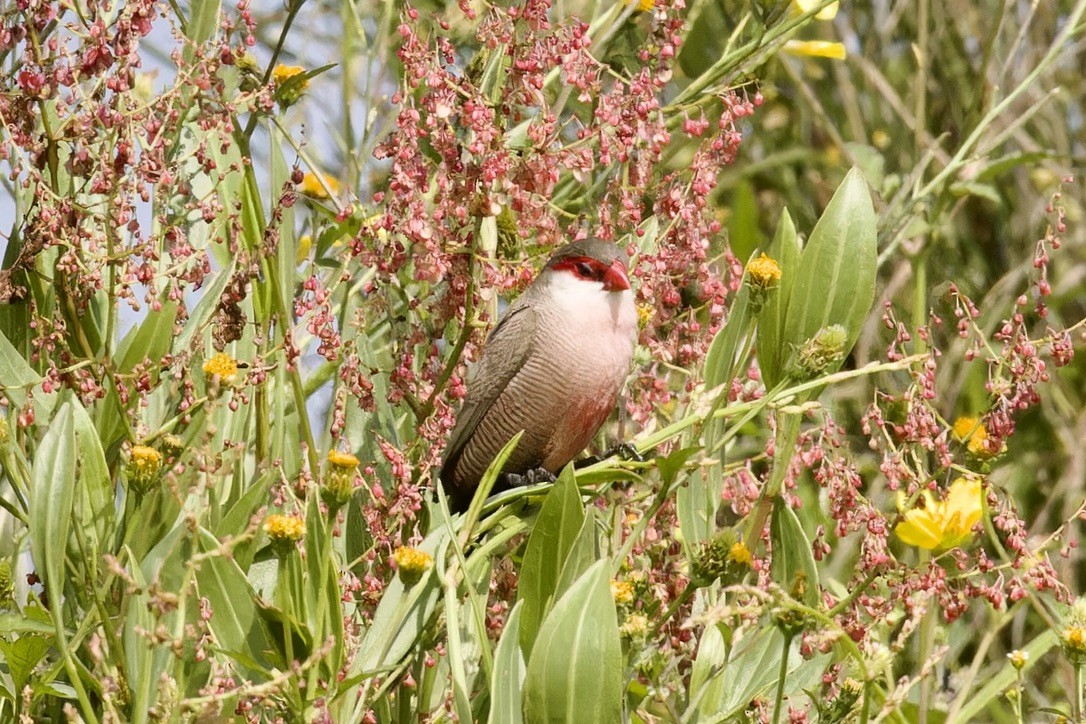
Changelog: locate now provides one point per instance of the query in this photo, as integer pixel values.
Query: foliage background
(163, 201)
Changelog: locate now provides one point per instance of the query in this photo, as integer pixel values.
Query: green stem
(1078, 692)
(782, 675)
(1019, 692)
(675, 604)
(927, 635)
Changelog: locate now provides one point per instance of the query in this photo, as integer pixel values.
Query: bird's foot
(531, 477)
(623, 451)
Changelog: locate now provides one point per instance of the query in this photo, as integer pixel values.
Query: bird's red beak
(615, 279)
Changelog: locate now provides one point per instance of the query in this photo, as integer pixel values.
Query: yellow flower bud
(763, 272)
(284, 531)
(290, 83)
(411, 563)
(143, 465)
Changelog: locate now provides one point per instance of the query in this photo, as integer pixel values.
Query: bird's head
(592, 260)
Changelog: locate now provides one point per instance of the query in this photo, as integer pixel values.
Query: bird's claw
(531, 477)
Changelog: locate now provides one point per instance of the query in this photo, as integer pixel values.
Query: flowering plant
(242, 283)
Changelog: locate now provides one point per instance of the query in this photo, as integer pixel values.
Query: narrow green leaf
(706, 686)
(139, 653)
(835, 284)
(752, 671)
(493, 79)
(403, 613)
(51, 500)
(996, 686)
(720, 362)
(22, 624)
(744, 227)
(508, 676)
(150, 340)
(793, 566)
(582, 554)
(785, 250)
(14, 370)
(463, 653)
(202, 20)
(95, 511)
(236, 623)
(555, 532)
(575, 671)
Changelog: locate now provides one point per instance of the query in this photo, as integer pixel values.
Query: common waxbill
(553, 367)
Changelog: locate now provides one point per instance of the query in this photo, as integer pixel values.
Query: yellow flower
(739, 553)
(284, 528)
(283, 73)
(343, 461)
(339, 485)
(222, 366)
(815, 49)
(319, 187)
(763, 272)
(143, 466)
(974, 434)
(411, 563)
(826, 13)
(643, 6)
(939, 525)
(622, 591)
(290, 83)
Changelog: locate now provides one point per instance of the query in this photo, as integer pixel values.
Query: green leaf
(14, 370)
(772, 354)
(706, 686)
(95, 511)
(508, 675)
(997, 685)
(202, 20)
(754, 667)
(143, 660)
(835, 284)
(575, 671)
(793, 566)
(150, 340)
(236, 623)
(25, 624)
(554, 534)
(51, 499)
(720, 362)
(582, 554)
(707, 39)
(744, 230)
(22, 655)
(403, 613)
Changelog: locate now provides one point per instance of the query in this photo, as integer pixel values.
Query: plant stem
(927, 632)
(782, 674)
(1078, 692)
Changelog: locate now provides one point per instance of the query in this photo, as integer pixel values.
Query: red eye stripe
(584, 267)
(613, 277)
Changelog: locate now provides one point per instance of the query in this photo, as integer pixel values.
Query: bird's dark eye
(585, 269)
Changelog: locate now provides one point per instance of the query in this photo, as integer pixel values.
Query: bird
(552, 367)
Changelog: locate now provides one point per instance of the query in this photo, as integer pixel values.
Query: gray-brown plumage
(553, 367)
